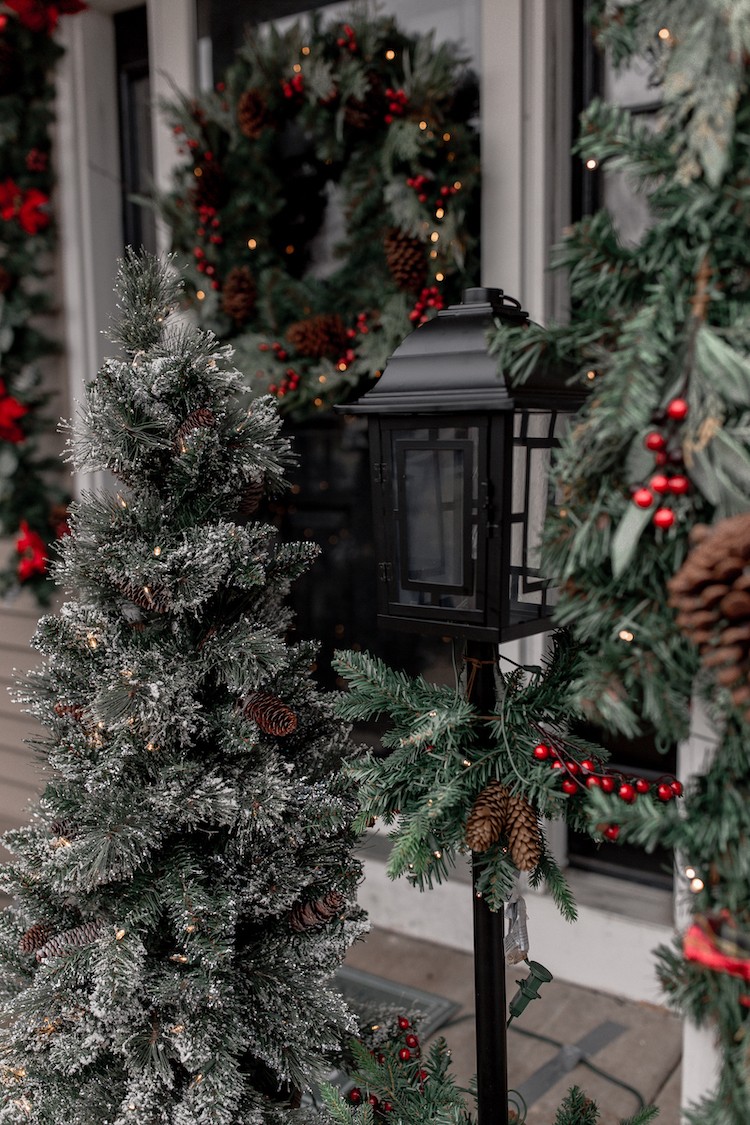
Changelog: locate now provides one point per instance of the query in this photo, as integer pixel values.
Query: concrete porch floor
(643, 1050)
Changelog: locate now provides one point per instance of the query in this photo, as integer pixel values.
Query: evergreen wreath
(357, 121)
(32, 509)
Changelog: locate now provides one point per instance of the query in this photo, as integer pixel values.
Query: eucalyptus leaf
(703, 475)
(727, 369)
(625, 539)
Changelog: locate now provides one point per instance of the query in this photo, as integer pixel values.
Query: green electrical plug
(528, 989)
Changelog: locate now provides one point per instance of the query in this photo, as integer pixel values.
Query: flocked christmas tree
(185, 887)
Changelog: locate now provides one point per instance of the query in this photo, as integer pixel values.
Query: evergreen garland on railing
(32, 506)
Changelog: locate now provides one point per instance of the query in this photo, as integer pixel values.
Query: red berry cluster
(429, 298)
(410, 1050)
(348, 357)
(348, 40)
(362, 327)
(278, 350)
(397, 105)
(667, 459)
(419, 183)
(290, 382)
(590, 773)
(294, 87)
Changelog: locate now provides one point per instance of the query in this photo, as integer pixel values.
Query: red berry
(404, 1054)
(643, 497)
(659, 483)
(679, 484)
(411, 1041)
(676, 787)
(663, 517)
(569, 786)
(677, 409)
(642, 785)
(556, 765)
(387, 1107)
(403, 1023)
(381, 1059)
(655, 441)
(608, 784)
(592, 782)
(541, 751)
(373, 1101)
(612, 831)
(587, 765)
(355, 1095)
(573, 767)
(660, 457)
(665, 792)
(423, 1075)
(626, 792)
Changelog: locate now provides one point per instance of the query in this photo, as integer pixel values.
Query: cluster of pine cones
(711, 593)
(498, 812)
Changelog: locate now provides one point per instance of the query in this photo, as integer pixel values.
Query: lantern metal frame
(441, 394)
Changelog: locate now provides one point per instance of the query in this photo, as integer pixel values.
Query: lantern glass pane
(433, 491)
(434, 494)
(536, 434)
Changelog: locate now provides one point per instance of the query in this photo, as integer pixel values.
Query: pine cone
(202, 418)
(211, 188)
(62, 827)
(252, 114)
(251, 497)
(73, 709)
(6, 277)
(35, 937)
(154, 597)
(406, 258)
(487, 817)
(711, 593)
(270, 713)
(239, 294)
(322, 335)
(524, 834)
(76, 938)
(308, 915)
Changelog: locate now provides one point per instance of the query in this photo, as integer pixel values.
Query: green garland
(32, 507)
(361, 113)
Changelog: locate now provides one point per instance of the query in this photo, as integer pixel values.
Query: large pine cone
(252, 114)
(487, 817)
(309, 915)
(239, 294)
(711, 593)
(201, 419)
(318, 336)
(524, 833)
(35, 937)
(76, 938)
(406, 258)
(270, 713)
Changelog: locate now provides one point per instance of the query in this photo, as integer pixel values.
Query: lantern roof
(444, 366)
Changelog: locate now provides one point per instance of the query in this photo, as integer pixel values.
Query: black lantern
(460, 464)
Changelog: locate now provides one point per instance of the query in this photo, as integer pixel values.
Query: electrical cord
(584, 1061)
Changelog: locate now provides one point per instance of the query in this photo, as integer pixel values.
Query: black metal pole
(489, 938)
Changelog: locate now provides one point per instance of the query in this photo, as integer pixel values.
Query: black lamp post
(460, 477)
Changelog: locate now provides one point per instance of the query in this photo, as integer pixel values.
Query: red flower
(30, 214)
(10, 411)
(33, 551)
(39, 15)
(10, 194)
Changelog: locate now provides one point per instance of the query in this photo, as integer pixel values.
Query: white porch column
(526, 138)
(172, 57)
